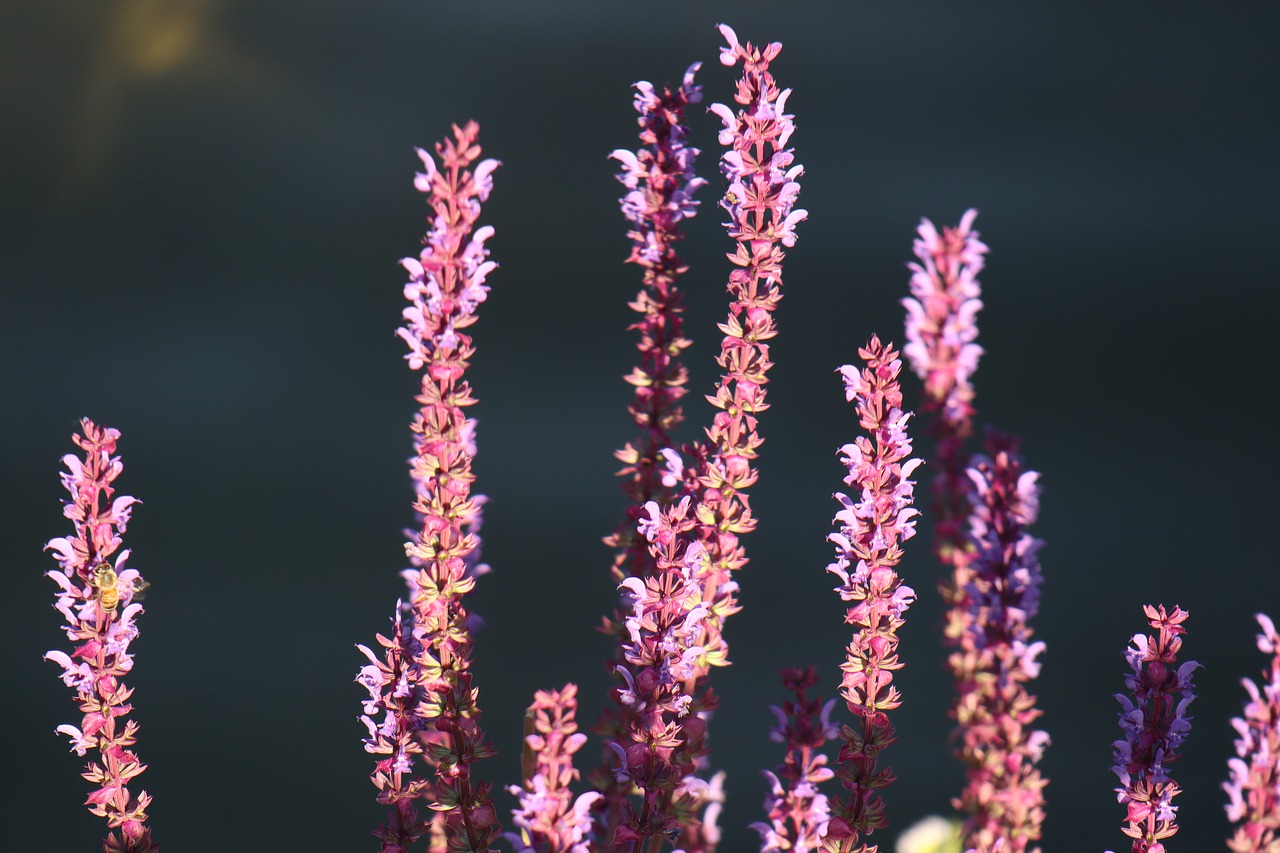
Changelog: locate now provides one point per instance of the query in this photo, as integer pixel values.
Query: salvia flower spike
(661, 654)
(797, 809)
(548, 816)
(660, 183)
(868, 548)
(1155, 722)
(994, 711)
(394, 682)
(446, 285)
(97, 599)
(942, 349)
(760, 200)
(1253, 787)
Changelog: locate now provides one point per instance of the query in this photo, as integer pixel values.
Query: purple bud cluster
(1155, 722)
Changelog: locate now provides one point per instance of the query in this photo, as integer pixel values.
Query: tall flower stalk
(868, 549)
(96, 597)
(446, 284)
(994, 710)
(1155, 723)
(942, 348)
(661, 183)
(1253, 788)
(760, 199)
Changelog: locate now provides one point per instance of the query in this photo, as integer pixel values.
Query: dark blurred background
(204, 206)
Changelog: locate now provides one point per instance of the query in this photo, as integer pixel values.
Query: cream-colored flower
(933, 834)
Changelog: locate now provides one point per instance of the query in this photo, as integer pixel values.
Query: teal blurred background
(204, 206)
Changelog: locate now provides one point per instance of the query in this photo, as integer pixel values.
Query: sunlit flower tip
(673, 471)
(483, 178)
(1268, 642)
(692, 91)
(729, 55)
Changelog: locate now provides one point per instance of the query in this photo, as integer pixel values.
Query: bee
(106, 587)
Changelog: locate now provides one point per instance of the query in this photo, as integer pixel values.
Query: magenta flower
(550, 820)
(1155, 722)
(1253, 789)
(446, 284)
(994, 711)
(868, 549)
(797, 809)
(660, 183)
(97, 600)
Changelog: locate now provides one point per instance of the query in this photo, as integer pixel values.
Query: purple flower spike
(1253, 789)
(1155, 722)
(760, 199)
(994, 710)
(661, 184)
(797, 809)
(868, 549)
(97, 600)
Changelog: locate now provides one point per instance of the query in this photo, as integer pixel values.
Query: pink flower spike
(550, 820)
(394, 684)
(942, 348)
(1154, 720)
(868, 550)
(445, 288)
(1253, 786)
(96, 597)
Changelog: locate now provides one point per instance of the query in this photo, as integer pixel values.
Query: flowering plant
(677, 555)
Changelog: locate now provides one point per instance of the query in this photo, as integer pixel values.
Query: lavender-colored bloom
(96, 597)
(760, 199)
(994, 711)
(1155, 722)
(1253, 789)
(941, 332)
